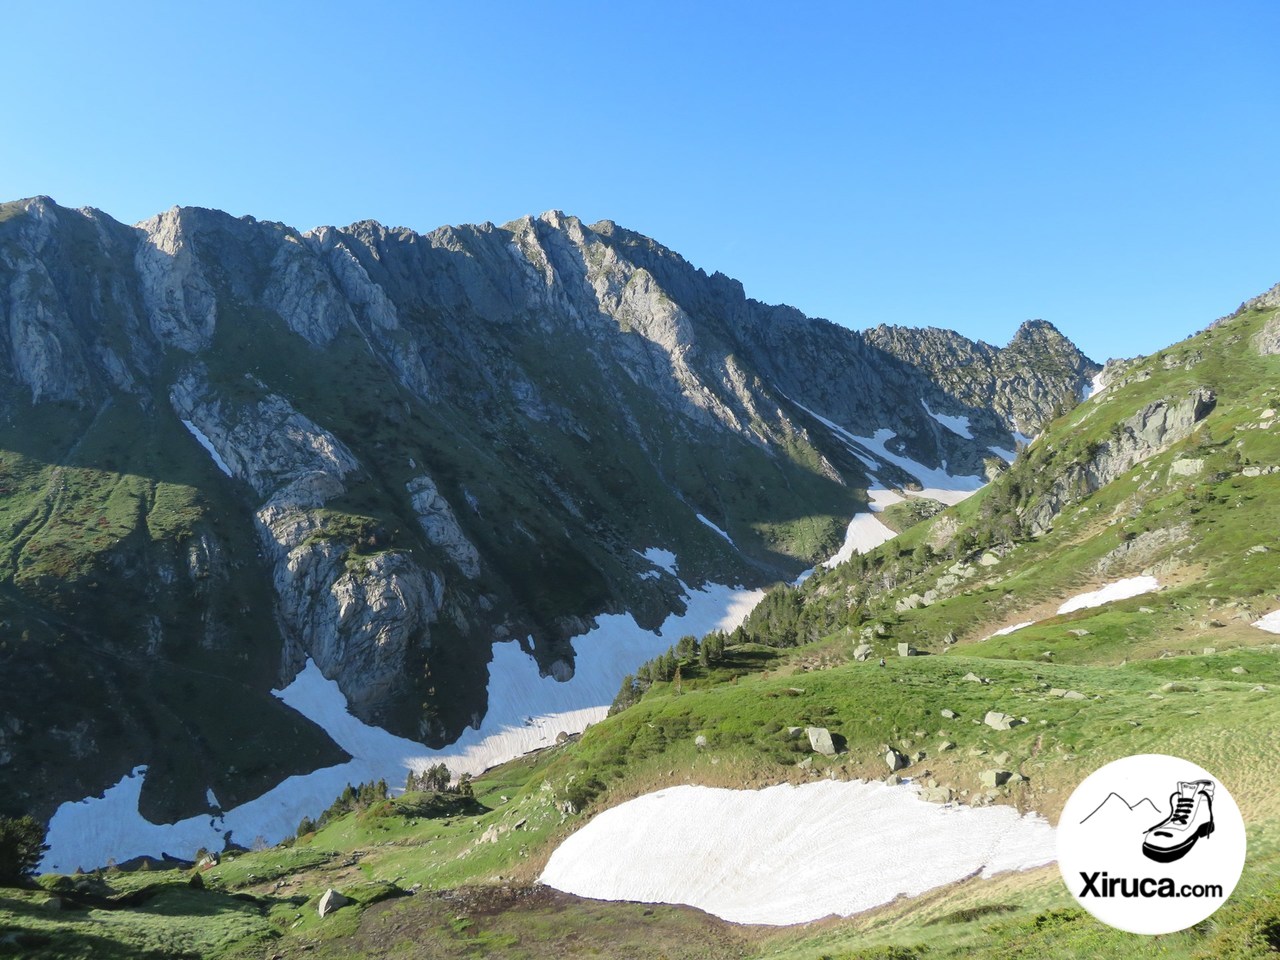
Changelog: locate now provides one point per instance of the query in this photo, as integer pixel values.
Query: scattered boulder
(1175, 686)
(974, 678)
(999, 721)
(795, 733)
(906, 650)
(994, 778)
(1073, 695)
(331, 901)
(1239, 670)
(700, 741)
(946, 745)
(1078, 632)
(937, 794)
(1057, 692)
(820, 741)
(895, 760)
(1210, 651)
(862, 652)
(1186, 467)
(950, 639)
(948, 713)
(893, 780)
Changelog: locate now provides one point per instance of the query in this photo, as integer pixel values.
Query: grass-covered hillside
(1172, 472)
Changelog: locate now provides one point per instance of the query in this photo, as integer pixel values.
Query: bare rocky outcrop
(441, 526)
(180, 302)
(1150, 431)
(1267, 340)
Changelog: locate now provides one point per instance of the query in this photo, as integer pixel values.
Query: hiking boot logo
(1126, 855)
(1190, 818)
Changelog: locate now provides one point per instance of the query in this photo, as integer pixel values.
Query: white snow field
(526, 712)
(1117, 590)
(865, 531)
(791, 854)
(1269, 623)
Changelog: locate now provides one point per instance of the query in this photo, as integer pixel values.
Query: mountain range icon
(1115, 806)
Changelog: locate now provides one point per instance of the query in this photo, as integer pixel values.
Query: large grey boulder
(999, 721)
(895, 760)
(820, 741)
(994, 778)
(862, 652)
(331, 901)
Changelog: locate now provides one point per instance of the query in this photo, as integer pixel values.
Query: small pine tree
(21, 847)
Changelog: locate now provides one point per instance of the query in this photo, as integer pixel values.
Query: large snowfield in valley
(526, 712)
(791, 854)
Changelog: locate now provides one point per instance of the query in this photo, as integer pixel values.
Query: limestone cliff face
(384, 450)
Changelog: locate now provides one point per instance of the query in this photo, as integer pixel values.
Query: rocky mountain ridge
(230, 446)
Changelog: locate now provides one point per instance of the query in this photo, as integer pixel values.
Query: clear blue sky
(1110, 167)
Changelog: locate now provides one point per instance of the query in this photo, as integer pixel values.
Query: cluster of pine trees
(670, 667)
(437, 778)
(351, 799)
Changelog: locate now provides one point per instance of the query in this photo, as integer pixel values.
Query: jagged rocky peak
(405, 447)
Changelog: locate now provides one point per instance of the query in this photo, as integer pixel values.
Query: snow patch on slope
(208, 445)
(937, 483)
(708, 523)
(865, 532)
(663, 559)
(1005, 631)
(789, 854)
(956, 424)
(1109, 593)
(1269, 623)
(1118, 590)
(526, 712)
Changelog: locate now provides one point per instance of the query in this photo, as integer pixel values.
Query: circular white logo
(1151, 844)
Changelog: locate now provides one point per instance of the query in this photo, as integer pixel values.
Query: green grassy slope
(1176, 671)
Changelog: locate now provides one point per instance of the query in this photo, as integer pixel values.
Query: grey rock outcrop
(441, 525)
(1150, 431)
(179, 301)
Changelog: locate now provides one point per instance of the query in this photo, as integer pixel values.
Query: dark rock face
(227, 446)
